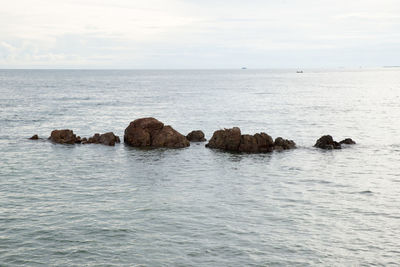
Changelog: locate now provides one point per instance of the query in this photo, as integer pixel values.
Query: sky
(179, 34)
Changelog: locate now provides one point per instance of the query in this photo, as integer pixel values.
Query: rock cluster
(67, 136)
(196, 136)
(108, 139)
(233, 140)
(149, 132)
(327, 142)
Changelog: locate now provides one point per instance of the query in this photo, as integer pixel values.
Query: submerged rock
(108, 139)
(65, 136)
(196, 136)
(150, 132)
(34, 137)
(226, 139)
(327, 142)
(348, 141)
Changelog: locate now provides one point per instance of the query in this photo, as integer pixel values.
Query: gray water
(92, 205)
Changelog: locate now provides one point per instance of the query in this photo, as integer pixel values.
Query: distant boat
(299, 71)
(244, 68)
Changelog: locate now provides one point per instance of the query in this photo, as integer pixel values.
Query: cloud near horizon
(198, 34)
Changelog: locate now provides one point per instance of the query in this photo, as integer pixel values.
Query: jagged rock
(327, 142)
(348, 141)
(34, 137)
(63, 137)
(283, 144)
(227, 139)
(108, 139)
(196, 136)
(147, 132)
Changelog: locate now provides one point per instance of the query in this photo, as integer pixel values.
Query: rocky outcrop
(196, 136)
(226, 139)
(108, 139)
(348, 141)
(150, 132)
(64, 137)
(283, 144)
(327, 142)
(233, 140)
(34, 137)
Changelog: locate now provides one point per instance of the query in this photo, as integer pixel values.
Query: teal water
(92, 205)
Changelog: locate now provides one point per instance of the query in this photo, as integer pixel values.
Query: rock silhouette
(196, 136)
(283, 144)
(150, 132)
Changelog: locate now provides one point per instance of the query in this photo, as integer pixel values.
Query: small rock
(196, 136)
(348, 141)
(65, 136)
(34, 137)
(283, 144)
(108, 139)
(327, 142)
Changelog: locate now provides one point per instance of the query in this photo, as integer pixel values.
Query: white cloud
(135, 34)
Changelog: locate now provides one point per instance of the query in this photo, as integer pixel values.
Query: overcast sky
(166, 34)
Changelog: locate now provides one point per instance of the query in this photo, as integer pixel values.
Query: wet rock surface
(196, 136)
(150, 132)
(283, 144)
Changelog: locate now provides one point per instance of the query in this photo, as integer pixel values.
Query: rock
(63, 137)
(168, 137)
(258, 143)
(283, 144)
(196, 136)
(327, 142)
(146, 132)
(108, 139)
(265, 142)
(227, 139)
(348, 141)
(34, 137)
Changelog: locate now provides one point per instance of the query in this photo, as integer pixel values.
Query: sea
(95, 205)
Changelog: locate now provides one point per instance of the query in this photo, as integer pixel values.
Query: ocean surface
(93, 205)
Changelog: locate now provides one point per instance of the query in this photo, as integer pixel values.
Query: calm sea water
(92, 205)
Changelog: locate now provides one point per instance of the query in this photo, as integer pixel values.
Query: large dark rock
(146, 132)
(327, 142)
(284, 144)
(348, 141)
(227, 139)
(108, 139)
(196, 136)
(64, 137)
